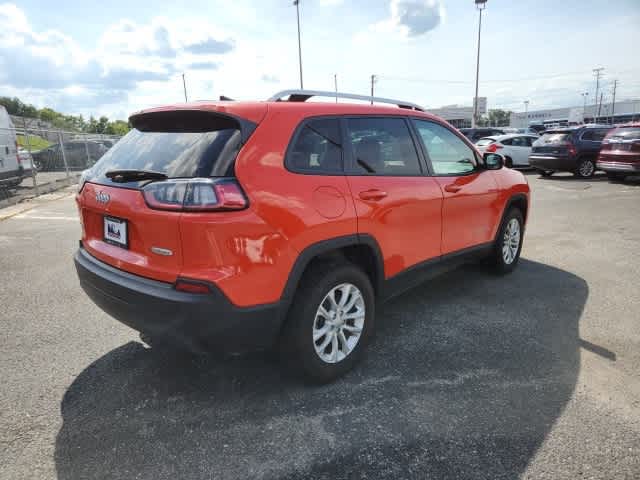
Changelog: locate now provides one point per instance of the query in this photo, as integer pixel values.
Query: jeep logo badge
(102, 197)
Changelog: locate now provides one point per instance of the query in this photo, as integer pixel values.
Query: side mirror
(493, 161)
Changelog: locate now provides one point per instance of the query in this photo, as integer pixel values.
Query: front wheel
(586, 169)
(330, 322)
(546, 173)
(508, 243)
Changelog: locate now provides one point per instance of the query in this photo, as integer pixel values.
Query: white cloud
(53, 69)
(412, 18)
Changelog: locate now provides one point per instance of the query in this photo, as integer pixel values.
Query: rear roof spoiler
(190, 120)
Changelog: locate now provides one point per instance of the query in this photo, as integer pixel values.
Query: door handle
(452, 188)
(373, 194)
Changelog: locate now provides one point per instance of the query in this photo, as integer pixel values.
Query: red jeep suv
(241, 225)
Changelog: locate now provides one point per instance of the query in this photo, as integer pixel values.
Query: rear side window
(507, 141)
(594, 135)
(519, 142)
(382, 146)
(317, 148)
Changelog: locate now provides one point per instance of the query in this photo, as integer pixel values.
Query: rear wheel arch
(361, 250)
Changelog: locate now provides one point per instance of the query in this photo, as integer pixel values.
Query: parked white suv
(10, 171)
(515, 147)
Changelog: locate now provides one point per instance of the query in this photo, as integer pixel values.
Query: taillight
(191, 286)
(493, 147)
(195, 195)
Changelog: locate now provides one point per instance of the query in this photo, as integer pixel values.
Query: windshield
(178, 155)
(626, 133)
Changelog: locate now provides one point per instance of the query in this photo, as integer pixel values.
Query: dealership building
(625, 111)
(457, 115)
(622, 112)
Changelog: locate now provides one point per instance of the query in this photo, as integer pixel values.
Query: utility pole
(296, 3)
(335, 85)
(598, 73)
(373, 82)
(480, 5)
(184, 85)
(600, 105)
(613, 104)
(526, 111)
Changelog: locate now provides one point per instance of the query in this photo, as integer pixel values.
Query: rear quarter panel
(250, 254)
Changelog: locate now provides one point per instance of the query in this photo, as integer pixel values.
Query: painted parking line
(23, 216)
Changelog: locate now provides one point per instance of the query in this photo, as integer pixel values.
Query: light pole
(584, 105)
(296, 3)
(526, 113)
(480, 4)
(184, 86)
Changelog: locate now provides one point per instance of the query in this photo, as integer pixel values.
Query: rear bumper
(543, 162)
(198, 322)
(618, 167)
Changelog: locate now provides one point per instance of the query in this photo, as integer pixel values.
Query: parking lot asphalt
(532, 375)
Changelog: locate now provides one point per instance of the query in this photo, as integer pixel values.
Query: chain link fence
(45, 160)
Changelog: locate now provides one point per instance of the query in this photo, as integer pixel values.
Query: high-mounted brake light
(493, 147)
(195, 195)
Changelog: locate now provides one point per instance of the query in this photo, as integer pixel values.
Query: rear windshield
(484, 141)
(176, 154)
(626, 133)
(553, 137)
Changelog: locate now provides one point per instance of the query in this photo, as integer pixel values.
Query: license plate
(115, 232)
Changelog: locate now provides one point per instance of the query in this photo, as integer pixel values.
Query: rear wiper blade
(121, 176)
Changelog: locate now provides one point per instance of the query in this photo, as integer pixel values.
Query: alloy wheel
(338, 323)
(511, 241)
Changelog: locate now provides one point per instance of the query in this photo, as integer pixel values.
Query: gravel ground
(533, 375)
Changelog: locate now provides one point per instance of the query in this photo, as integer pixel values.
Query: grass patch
(36, 142)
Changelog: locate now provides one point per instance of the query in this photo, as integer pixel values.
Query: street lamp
(296, 4)
(526, 112)
(480, 5)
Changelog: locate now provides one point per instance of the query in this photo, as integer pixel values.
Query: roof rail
(304, 95)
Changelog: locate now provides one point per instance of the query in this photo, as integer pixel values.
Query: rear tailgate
(144, 231)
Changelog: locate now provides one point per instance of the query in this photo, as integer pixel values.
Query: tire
(304, 321)
(508, 162)
(616, 177)
(546, 173)
(586, 168)
(502, 261)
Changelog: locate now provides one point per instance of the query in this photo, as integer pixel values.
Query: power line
(506, 80)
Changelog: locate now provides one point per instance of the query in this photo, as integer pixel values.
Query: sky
(116, 57)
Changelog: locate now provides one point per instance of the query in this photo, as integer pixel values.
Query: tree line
(103, 125)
